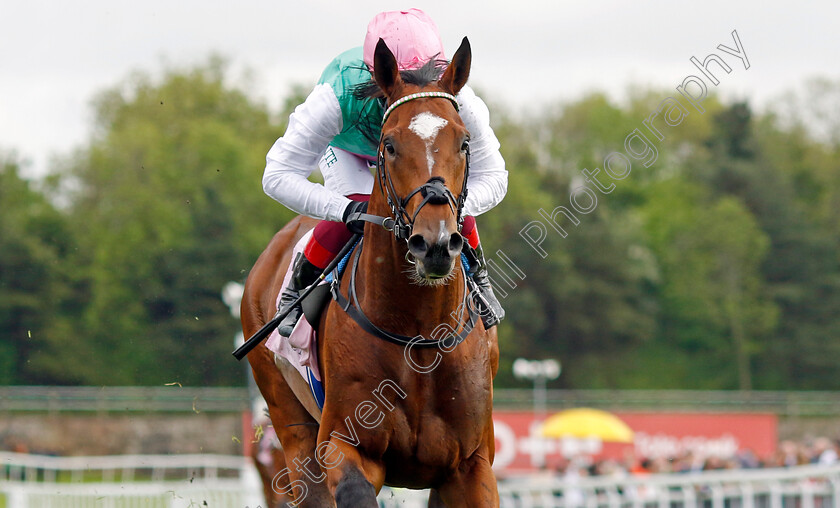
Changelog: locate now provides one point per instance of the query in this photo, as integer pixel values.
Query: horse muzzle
(435, 261)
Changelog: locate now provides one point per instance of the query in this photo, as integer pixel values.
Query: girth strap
(355, 312)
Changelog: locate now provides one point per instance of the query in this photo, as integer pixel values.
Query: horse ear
(385, 70)
(458, 72)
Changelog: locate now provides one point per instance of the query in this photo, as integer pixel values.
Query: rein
(353, 308)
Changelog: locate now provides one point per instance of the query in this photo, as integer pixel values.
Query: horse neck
(388, 296)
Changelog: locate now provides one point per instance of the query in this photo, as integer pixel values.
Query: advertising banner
(520, 447)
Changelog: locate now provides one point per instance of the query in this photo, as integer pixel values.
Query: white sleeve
(295, 156)
(487, 183)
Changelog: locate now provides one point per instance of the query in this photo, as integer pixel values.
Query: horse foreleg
(354, 490)
(353, 480)
(301, 479)
(435, 500)
(472, 484)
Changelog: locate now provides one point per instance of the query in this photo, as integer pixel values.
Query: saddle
(296, 356)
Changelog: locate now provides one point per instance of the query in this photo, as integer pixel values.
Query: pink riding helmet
(411, 35)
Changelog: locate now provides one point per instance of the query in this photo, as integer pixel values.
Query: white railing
(143, 481)
(222, 493)
(797, 487)
(128, 481)
(125, 468)
(182, 481)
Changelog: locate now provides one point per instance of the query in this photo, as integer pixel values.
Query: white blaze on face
(427, 126)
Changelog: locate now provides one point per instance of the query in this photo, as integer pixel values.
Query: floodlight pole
(538, 371)
(540, 397)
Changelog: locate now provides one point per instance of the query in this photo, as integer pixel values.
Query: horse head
(424, 160)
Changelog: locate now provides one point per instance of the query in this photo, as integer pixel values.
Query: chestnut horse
(414, 415)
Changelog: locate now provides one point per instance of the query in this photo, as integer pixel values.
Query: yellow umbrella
(587, 423)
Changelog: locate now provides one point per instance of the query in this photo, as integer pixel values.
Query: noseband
(434, 191)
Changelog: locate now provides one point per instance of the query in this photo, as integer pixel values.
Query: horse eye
(465, 146)
(389, 147)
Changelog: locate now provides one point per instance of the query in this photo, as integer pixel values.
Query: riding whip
(269, 327)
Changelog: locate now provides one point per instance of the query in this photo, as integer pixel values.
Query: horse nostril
(456, 243)
(417, 245)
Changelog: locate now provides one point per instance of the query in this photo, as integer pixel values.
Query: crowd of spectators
(821, 450)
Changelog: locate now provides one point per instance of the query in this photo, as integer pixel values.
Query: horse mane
(429, 73)
(425, 75)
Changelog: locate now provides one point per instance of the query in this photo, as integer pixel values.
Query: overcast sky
(56, 55)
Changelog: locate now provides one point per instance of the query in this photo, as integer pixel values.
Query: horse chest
(447, 425)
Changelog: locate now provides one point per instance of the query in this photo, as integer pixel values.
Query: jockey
(339, 133)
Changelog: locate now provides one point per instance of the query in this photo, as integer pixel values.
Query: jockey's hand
(355, 226)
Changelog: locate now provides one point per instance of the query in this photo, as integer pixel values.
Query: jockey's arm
(487, 183)
(295, 155)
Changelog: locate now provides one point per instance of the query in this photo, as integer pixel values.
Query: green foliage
(592, 291)
(676, 279)
(33, 240)
(168, 207)
(715, 268)
(766, 170)
(713, 299)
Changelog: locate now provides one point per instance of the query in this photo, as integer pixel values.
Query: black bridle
(434, 191)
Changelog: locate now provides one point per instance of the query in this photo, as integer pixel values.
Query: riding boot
(303, 275)
(487, 304)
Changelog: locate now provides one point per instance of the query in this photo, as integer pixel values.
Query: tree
(590, 293)
(801, 268)
(168, 206)
(715, 306)
(33, 238)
